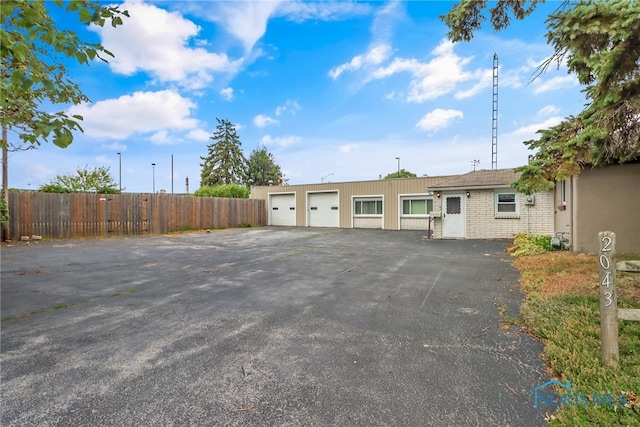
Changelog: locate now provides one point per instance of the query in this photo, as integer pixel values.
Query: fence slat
(62, 216)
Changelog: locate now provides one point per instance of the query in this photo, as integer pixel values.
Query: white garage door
(323, 210)
(282, 209)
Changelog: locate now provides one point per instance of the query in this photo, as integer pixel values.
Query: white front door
(453, 220)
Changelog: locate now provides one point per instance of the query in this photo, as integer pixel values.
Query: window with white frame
(368, 206)
(506, 202)
(416, 206)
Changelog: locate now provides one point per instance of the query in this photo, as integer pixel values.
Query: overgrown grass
(562, 310)
(529, 244)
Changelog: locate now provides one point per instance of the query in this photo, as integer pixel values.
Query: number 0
(604, 262)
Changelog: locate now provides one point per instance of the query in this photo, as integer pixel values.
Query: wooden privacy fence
(61, 216)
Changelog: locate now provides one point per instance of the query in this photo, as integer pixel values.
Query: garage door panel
(283, 209)
(324, 210)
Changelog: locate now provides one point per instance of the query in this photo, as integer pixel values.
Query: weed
(529, 244)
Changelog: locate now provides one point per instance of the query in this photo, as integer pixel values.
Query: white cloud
(155, 41)
(199, 135)
(104, 160)
(115, 146)
(438, 119)
(548, 110)
(529, 131)
(349, 148)
(160, 138)
(374, 56)
(299, 11)
(263, 121)
(227, 93)
(246, 21)
(554, 83)
(439, 76)
(291, 106)
(484, 79)
(280, 141)
(141, 112)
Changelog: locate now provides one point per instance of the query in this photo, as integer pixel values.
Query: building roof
(493, 178)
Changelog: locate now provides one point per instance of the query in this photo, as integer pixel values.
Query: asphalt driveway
(264, 326)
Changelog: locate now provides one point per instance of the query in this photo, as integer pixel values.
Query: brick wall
(367, 222)
(483, 223)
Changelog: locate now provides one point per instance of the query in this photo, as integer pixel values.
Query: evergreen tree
(263, 169)
(225, 163)
(600, 42)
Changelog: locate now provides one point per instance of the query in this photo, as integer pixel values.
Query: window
(454, 205)
(506, 203)
(417, 206)
(369, 207)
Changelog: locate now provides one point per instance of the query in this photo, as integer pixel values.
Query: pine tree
(600, 42)
(225, 163)
(263, 169)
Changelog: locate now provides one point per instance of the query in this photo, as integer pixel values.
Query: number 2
(607, 245)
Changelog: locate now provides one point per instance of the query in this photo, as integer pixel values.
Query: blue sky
(335, 90)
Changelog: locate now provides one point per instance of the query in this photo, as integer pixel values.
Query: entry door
(453, 216)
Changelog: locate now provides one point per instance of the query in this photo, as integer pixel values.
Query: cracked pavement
(265, 326)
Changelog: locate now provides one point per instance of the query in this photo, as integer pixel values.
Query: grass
(562, 310)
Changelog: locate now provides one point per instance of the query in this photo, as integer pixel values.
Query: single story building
(477, 205)
(480, 204)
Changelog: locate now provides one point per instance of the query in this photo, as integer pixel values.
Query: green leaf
(85, 16)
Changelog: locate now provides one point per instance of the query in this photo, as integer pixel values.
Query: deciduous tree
(401, 174)
(32, 51)
(224, 163)
(84, 180)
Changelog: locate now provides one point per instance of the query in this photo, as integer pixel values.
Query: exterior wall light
(468, 194)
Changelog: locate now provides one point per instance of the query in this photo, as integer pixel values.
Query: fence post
(608, 299)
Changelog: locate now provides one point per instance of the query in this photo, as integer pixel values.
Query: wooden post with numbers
(608, 299)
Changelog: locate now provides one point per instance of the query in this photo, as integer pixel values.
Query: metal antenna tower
(494, 115)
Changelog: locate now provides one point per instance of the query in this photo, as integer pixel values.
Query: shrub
(4, 213)
(54, 188)
(229, 191)
(529, 244)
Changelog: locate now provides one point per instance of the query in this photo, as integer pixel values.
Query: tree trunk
(6, 235)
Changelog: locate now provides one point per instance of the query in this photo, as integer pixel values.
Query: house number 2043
(606, 265)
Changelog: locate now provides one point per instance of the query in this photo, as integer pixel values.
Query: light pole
(325, 177)
(398, 159)
(120, 171)
(153, 165)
